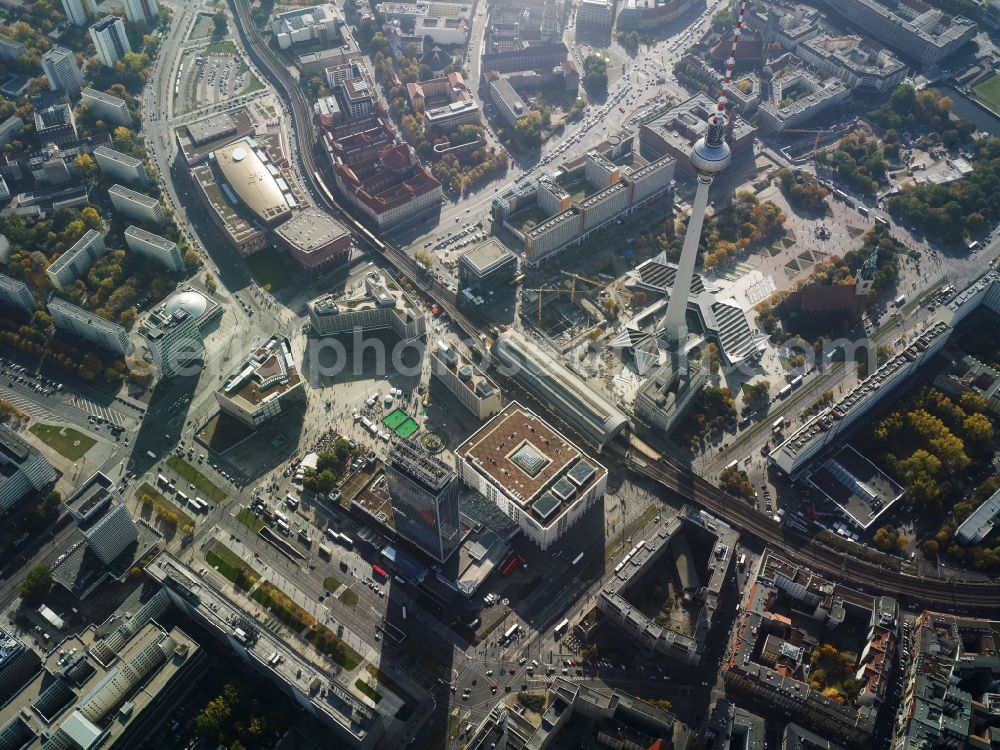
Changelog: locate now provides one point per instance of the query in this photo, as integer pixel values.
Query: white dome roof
(191, 302)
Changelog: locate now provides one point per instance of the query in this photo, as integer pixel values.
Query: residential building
(314, 238)
(142, 11)
(55, 124)
(796, 737)
(701, 585)
(353, 722)
(861, 63)
(509, 103)
(135, 205)
(61, 70)
(595, 15)
(90, 326)
(354, 88)
(433, 92)
(544, 56)
(814, 95)
(424, 493)
(733, 728)
(923, 33)
(473, 389)
(121, 166)
(16, 294)
(531, 472)
(107, 107)
(449, 116)
(23, 470)
(10, 129)
(488, 266)
(73, 263)
(173, 331)
(163, 251)
(319, 23)
(110, 41)
(4, 190)
(10, 50)
(578, 403)
(111, 534)
(382, 305)
(446, 31)
(109, 686)
(261, 386)
(79, 12)
(18, 664)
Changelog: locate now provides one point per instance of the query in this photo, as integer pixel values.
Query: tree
(214, 716)
(85, 166)
(424, 259)
(220, 23)
(595, 78)
(930, 548)
(36, 583)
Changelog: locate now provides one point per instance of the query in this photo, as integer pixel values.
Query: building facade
(173, 331)
(473, 389)
(78, 12)
(16, 294)
(61, 70)
(111, 534)
(163, 251)
(89, 326)
(107, 107)
(110, 40)
(142, 11)
(121, 166)
(260, 387)
(424, 493)
(23, 469)
(135, 205)
(74, 262)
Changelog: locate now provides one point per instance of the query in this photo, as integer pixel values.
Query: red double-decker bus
(379, 572)
(510, 565)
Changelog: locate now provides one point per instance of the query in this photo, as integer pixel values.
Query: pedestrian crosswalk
(98, 410)
(27, 405)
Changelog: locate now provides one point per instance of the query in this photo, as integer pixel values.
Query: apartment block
(89, 326)
(23, 469)
(16, 294)
(74, 262)
(107, 107)
(154, 246)
(10, 129)
(142, 11)
(61, 70)
(110, 40)
(473, 389)
(135, 205)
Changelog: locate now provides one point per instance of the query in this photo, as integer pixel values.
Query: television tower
(709, 157)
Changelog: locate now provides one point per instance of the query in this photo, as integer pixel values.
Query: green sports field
(401, 423)
(988, 92)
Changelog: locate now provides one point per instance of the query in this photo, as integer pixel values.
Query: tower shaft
(674, 325)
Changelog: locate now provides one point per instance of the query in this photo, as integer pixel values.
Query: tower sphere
(710, 159)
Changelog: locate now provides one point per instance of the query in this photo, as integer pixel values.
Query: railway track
(838, 566)
(857, 573)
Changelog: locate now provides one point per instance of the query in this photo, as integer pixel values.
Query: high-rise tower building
(110, 40)
(424, 494)
(710, 156)
(78, 11)
(62, 71)
(142, 11)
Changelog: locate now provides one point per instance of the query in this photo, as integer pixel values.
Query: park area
(64, 440)
(401, 423)
(988, 93)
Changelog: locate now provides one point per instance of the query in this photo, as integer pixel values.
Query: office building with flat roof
(595, 15)
(163, 251)
(920, 32)
(424, 493)
(10, 129)
(16, 294)
(61, 70)
(77, 260)
(91, 499)
(107, 107)
(23, 469)
(576, 402)
(696, 551)
(351, 720)
(981, 522)
(174, 330)
(646, 14)
(54, 123)
(18, 664)
(486, 266)
(314, 238)
(473, 389)
(381, 305)
(111, 534)
(532, 473)
(88, 325)
(120, 166)
(861, 63)
(259, 386)
(318, 23)
(135, 205)
(109, 691)
(110, 40)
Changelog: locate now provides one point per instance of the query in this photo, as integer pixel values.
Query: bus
(900, 300)
(508, 636)
(325, 551)
(404, 612)
(561, 628)
(202, 505)
(778, 426)
(346, 541)
(162, 480)
(743, 560)
(284, 528)
(576, 559)
(182, 497)
(282, 518)
(379, 573)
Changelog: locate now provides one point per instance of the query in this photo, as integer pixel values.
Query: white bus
(743, 560)
(404, 612)
(561, 628)
(182, 497)
(346, 541)
(577, 559)
(508, 636)
(778, 425)
(162, 480)
(325, 551)
(202, 505)
(284, 528)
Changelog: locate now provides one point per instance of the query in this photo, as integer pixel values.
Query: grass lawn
(349, 598)
(222, 47)
(253, 84)
(203, 484)
(367, 689)
(222, 432)
(231, 566)
(164, 507)
(331, 584)
(64, 440)
(249, 520)
(326, 641)
(269, 269)
(988, 92)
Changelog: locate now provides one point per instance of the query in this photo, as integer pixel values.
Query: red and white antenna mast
(715, 133)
